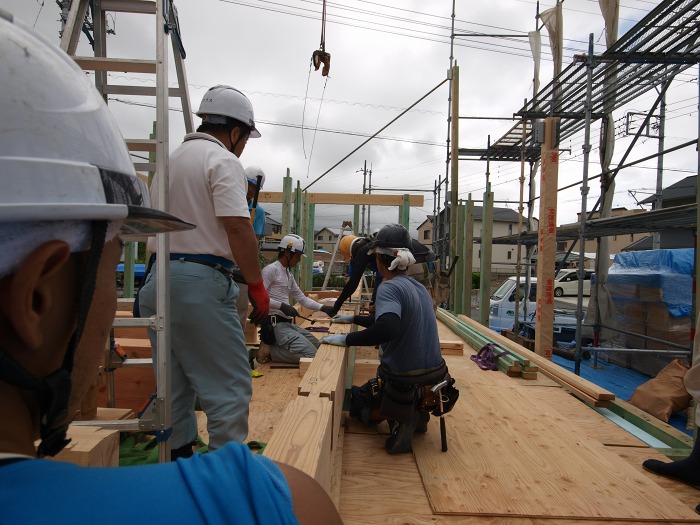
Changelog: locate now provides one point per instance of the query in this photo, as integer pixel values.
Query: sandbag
(665, 394)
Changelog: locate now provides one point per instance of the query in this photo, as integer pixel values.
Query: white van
(566, 282)
(502, 304)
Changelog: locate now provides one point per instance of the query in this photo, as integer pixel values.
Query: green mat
(142, 449)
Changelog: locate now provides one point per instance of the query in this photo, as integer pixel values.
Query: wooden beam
(302, 438)
(373, 199)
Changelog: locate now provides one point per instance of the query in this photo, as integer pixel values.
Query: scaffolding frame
(663, 44)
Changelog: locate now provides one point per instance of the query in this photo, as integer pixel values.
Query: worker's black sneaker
(685, 470)
(422, 425)
(400, 441)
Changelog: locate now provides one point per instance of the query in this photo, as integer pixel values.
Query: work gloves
(288, 310)
(335, 339)
(328, 310)
(342, 319)
(259, 300)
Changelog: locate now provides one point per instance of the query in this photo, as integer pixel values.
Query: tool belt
(398, 396)
(402, 394)
(267, 328)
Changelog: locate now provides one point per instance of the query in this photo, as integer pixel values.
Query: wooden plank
(452, 347)
(302, 438)
(594, 425)
(657, 428)
(91, 447)
(127, 65)
(549, 471)
(374, 199)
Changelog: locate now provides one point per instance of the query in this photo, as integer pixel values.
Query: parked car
(502, 311)
(502, 304)
(566, 282)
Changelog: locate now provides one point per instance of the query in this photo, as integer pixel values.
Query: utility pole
(369, 208)
(656, 236)
(364, 190)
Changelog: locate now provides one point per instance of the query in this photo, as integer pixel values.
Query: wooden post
(486, 238)
(298, 214)
(458, 306)
(468, 254)
(405, 211)
(286, 204)
(355, 219)
(547, 240)
(309, 238)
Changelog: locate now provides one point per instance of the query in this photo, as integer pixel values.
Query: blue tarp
(670, 271)
(139, 269)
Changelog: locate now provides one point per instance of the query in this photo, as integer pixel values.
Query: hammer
(312, 321)
(437, 389)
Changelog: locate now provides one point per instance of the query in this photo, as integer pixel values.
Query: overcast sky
(386, 55)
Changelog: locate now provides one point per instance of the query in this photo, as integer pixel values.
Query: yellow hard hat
(346, 244)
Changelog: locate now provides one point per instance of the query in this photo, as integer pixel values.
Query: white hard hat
(62, 156)
(226, 101)
(293, 242)
(252, 172)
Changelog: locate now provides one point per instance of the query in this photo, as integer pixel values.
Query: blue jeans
(209, 359)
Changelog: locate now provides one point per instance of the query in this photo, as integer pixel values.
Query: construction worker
(209, 357)
(252, 173)
(356, 250)
(404, 325)
(686, 470)
(258, 218)
(67, 199)
(287, 342)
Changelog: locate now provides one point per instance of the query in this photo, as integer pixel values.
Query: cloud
(384, 58)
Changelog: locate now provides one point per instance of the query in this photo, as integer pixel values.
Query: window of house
(479, 256)
(510, 232)
(426, 234)
(510, 255)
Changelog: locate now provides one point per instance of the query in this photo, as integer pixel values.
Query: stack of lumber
(509, 361)
(586, 391)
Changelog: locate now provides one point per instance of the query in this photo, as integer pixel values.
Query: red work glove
(260, 301)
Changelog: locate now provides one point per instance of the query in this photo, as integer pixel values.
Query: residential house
(505, 223)
(678, 194)
(425, 232)
(326, 239)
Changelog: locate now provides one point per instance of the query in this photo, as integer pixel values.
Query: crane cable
(318, 57)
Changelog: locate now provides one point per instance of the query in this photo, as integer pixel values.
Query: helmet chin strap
(53, 392)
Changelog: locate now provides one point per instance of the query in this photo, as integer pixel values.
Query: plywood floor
(540, 436)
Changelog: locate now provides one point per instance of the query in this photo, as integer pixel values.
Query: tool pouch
(364, 402)
(398, 402)
(449, 397)
(267, 334)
